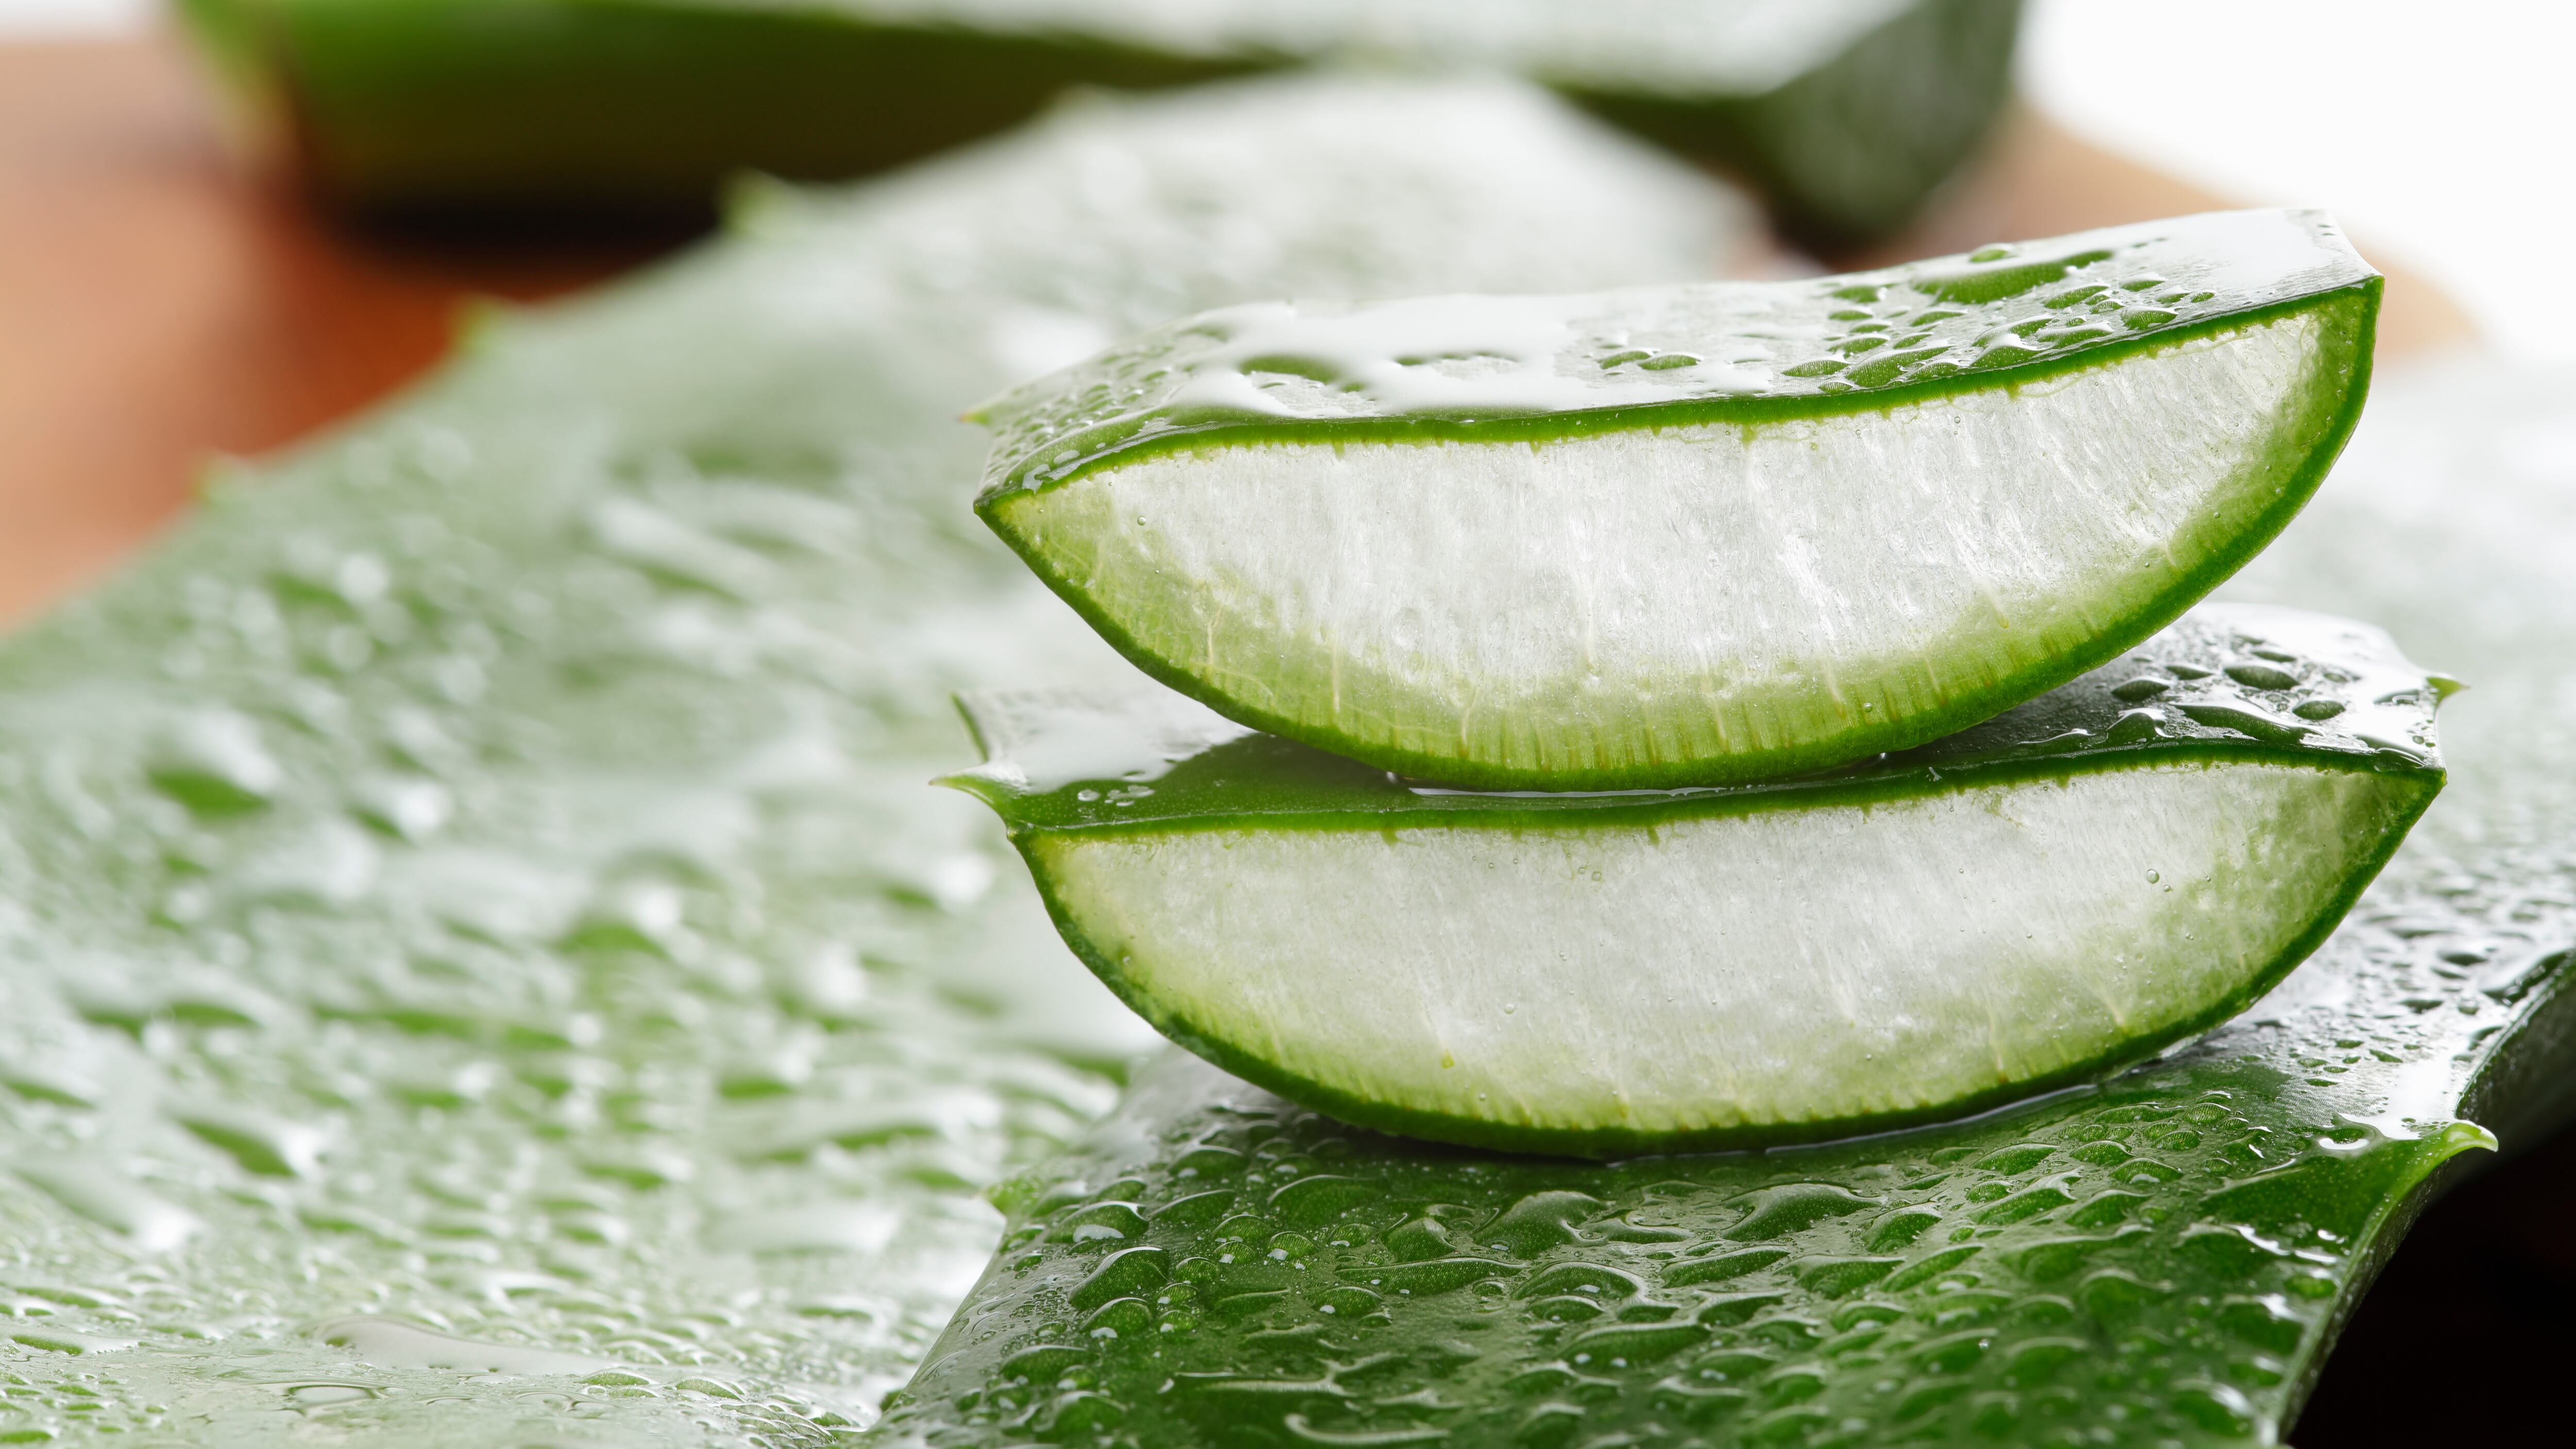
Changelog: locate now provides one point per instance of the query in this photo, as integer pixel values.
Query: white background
(2442, 134)
(49, 19)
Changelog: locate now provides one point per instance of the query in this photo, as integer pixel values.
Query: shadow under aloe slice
(2064, 889)
(1691, 535)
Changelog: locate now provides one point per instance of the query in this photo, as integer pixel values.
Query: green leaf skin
(2157, 1260)
(1071, 760)
(1257, 505)
(479, 962)
(2226, 1206)
(1139, 775)
(1847, 113)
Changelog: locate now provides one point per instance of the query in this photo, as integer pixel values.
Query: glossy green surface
(1098, 790)
(480, 964)
(2223, 682)
(1269, 1276)
(1547, 368)
(1847, 113)
(1237, 500)
(2161, 1260)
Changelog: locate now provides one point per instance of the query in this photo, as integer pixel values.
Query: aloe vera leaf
(483, 963)
(2162, 1259)
(1691, 535)
(1847, 113)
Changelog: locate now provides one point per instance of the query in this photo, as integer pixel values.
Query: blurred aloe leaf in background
(1846, 113)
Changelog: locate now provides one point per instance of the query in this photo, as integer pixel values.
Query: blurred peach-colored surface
(159, 306)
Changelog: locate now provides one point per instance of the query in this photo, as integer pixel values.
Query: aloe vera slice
(2071, 886)
(479, 965)
(1691, 535)
(2164, 1259)
(1848, 112)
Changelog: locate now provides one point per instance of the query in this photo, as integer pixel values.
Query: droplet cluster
(1525, 369)
(2152, 1260)
(481, 961)
(2291, 682)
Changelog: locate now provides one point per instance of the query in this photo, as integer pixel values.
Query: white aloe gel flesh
(1497, 542)
(1845, 962)
(2124, 861)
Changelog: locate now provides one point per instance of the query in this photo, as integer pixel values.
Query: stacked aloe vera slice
(1712, 715)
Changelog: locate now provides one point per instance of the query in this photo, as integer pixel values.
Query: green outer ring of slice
(1731, 967)
(1792, 549)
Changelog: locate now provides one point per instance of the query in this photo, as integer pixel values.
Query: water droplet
(213, 762)
(329, 863)
(114, 1201)
(260, 1143)
(2262, 676)
(64, 1340)
(392, 1343)
(839, 1226)
(410, 807)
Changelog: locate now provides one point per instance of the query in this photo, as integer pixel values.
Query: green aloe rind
(1691, 535)
(1453, 965)
(1730, 351)
(2227, 681)
(481, 963)
(1848, 113)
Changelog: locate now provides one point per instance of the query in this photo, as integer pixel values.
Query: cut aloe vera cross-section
(2124, 861)
(1697, 534)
